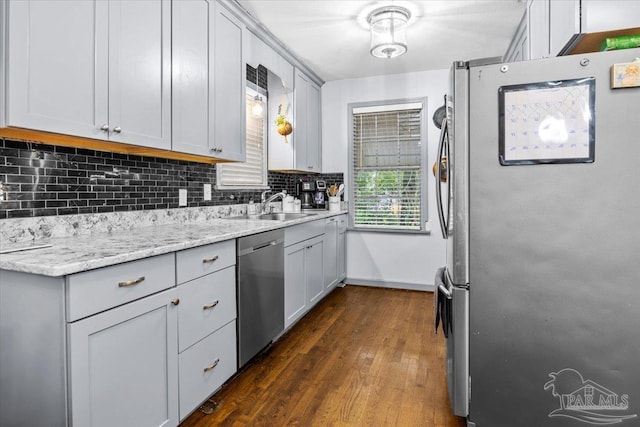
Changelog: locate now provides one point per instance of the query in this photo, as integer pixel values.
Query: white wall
(398, 260)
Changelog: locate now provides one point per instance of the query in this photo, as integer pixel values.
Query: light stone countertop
(73, 254)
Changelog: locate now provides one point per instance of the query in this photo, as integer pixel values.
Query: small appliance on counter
(318, 198)
(305, 192)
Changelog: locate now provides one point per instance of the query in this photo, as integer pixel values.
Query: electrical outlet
(207, 192)
(182, 197)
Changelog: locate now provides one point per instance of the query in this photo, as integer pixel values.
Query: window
(388, 167)
(253, 172)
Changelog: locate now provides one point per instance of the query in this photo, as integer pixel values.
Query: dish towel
(441, 304)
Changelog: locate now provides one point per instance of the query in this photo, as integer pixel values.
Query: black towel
(441, 304)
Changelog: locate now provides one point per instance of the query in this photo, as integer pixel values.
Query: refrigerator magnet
(625, 74)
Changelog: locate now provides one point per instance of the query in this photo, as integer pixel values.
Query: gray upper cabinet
(208, 80)
(306, 124)
(57, 59)
(95, 69)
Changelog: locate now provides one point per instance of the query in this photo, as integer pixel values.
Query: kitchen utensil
(340, 190)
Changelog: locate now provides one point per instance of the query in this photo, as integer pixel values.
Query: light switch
(207, 192)
(182, 197)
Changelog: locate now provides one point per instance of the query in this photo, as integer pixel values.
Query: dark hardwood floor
(362, 357)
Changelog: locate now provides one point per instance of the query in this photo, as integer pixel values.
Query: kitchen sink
(277, 216)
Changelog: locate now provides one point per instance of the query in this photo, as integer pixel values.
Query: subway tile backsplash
(44, 180)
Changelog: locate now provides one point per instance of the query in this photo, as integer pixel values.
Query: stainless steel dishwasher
(260, 292)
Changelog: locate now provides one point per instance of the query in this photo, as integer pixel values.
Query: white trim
(390, 107)
(389, 285)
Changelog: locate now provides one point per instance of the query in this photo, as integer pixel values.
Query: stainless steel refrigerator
(539, 200)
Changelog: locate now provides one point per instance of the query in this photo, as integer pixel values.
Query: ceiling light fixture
(389, 31)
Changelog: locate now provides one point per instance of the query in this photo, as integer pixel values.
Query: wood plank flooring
(362, 357)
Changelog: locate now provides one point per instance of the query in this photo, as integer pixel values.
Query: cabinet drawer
(206, 304)
(196, 262)
(300, 232)
(94, 291)
(204, 367)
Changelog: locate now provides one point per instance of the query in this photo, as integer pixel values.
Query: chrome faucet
(264, 201)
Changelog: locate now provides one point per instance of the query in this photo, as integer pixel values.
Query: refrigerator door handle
(443, 226)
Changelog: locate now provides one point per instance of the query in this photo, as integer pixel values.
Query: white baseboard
(390, 285)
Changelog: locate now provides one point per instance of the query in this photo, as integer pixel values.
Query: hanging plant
(284, 127)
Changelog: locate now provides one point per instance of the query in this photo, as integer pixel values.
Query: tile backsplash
(45, 180)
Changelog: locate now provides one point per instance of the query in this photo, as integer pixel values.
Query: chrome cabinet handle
(105, 128)
(210, 306)
(208, 260)
(117, 129)
(131, 282)
(210, 367)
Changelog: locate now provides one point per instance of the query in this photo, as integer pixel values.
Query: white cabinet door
(306, 124)
(314, 148)
(209, 79)
(342, 246)
(301, 121)
(123, 365)
(140, 72)
(538, 28)
(192, 96)
(57, 66)
(294, 283)
(564, 22)
(314, 270)
(330, 252)
(229, 81)
(95, 69)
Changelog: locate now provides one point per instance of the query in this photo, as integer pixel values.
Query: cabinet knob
(175, 301)
(105, 128)
(117, 129)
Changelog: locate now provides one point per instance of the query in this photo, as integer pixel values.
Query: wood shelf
(590, 42)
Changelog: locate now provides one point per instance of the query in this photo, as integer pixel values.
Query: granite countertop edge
(68, 255)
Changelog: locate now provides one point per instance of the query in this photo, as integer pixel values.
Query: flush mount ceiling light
(388, 31)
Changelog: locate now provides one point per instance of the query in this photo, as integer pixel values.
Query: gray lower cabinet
(330, 252)
(342, 247)
(97, 348)
(303, 277)
(122, 365)
(206, 321)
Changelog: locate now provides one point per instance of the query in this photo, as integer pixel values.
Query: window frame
(382, 104)
(250, 90)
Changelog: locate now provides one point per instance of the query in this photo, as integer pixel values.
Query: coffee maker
(306, 190)
(321, 190)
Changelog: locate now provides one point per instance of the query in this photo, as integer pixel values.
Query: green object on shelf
(621, 42)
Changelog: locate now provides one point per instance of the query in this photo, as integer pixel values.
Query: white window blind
(253, 172)
(387, 167)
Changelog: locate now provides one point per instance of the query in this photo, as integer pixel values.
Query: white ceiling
(331, 37)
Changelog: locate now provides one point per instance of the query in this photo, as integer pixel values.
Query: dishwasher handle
(261, 246)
